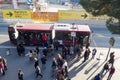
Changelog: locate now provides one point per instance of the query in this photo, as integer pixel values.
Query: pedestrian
(30, 55)
(105, 68)
(54, 63)
(60, 60)
(45, 51)
(94, 51)
(87, 45)
(4, 63)
(36, 63)
(43, 61)
(38, 71)
(78, 51)
(111, 60)
(35, 55)
(20, 74)
(97, 77)
(86, 54)
(20, 50)
(65, 67)
(37, 50)
(2, 68)
(111, 72)
(64, 52)
(44, 39)
(56, 45)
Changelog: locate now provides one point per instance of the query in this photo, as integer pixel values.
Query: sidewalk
(77, 71)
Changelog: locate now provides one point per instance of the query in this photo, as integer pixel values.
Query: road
(100, 35)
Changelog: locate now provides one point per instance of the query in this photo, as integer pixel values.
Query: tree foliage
(101, 7)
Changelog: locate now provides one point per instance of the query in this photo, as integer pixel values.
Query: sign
(84, 15)
(45, 16)
(29, 2)
(112, 41)
(16, 14)
(73, 34)
(71, 15)
(78, 15)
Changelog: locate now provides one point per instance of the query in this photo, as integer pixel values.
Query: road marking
(100, 35)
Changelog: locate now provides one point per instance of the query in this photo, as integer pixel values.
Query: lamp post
(111, 42)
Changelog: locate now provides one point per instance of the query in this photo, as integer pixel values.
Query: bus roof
(34, 26)
(49, 27)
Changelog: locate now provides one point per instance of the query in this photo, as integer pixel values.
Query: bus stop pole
(108, 54)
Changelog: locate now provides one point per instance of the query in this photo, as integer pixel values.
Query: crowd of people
(59, 63)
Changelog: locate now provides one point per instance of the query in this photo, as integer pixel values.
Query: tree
(103, 7)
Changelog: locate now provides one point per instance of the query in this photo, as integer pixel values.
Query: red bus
(31, 33)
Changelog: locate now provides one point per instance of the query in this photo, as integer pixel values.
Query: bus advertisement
(32, 34)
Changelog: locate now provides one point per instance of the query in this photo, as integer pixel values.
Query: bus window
(63, 35)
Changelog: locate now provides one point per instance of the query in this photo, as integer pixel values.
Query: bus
(65, 34)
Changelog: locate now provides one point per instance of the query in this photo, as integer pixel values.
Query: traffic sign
(29, 1)
(73, 34)
(84, 15)
(112, 41)
(16, 14)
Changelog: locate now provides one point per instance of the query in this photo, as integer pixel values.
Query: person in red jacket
(111, 72)
(44, 38)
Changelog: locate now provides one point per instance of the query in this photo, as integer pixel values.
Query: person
(37, 50)
(86, 54)
(36, 63)
(60, 60)
(44, 39)
(111, 72)
(20, 74)
(30, 55)
(97, 77)
(38, 71)
(43, 61)
(56, 45)
(20, 50)
(105, 68)
(2, 68)
(87, 45)
(78, 51)
(54, 63)
(111, 60)
(35, 55)
(64, 52)
(94, 51)
(45, 51)
(65, 67)
(4, 63)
